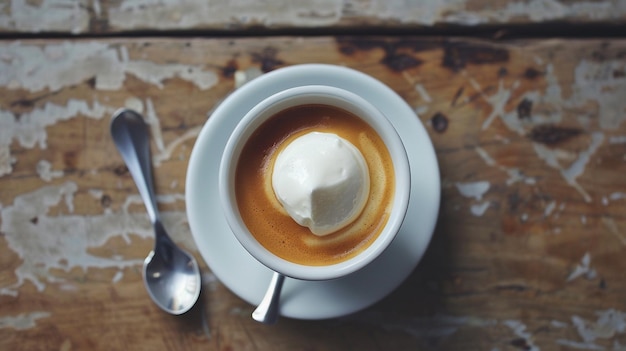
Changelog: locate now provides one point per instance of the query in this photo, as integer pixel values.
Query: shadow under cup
(314, 95)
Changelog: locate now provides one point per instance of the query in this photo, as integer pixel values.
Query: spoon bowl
(171, 275)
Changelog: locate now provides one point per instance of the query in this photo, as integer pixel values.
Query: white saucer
(244, 275)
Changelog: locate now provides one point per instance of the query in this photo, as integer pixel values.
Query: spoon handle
(130, 134)
(268, 310)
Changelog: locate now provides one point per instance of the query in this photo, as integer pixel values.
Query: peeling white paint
(73, 16)
(425, 12)
(23, 321)
(420, 110)
(558, 324)
(538, 11)
(549, 208)
(474, 190)
(55, 66)
(544, 10)
(613, 229)
(430, 12)
(97, 8)
(117, 277)
(48, 15)
(552, 158)
(185, 14)
(583, 269)
(617, 196)
(6, 160)
(498, 102)
(155, 73)
(594, 85)
(45, 172)
(69, 287)
(243, 77)
(30, 129)
(35, 68)
(515, 175)
(608, 324)
(595, 81)
(620, 139)
(519, 329)
(423, 93)
(167, 151)
(595, 90)
(136, 199)
(134, 104)
(479, 209)
(46, 243)
(550, 98)
(504, 140)
(577, 168)
(152, 120)
(485, 156)
(96, 193)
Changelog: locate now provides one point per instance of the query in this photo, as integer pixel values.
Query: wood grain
(497, 277)
(170, 16)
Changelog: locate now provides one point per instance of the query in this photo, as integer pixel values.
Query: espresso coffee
(268, 221)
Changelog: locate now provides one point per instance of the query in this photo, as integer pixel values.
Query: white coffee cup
(304, 95)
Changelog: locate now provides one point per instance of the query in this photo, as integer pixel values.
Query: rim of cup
(324, 95)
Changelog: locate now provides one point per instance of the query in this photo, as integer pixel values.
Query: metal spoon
(268, 310)
(171, 275)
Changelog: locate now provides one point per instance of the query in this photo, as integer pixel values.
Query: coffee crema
(268, 221)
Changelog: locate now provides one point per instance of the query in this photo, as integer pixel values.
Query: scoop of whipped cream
(322, 181)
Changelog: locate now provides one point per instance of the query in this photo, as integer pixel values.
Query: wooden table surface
(228, 16)
(530, 135)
